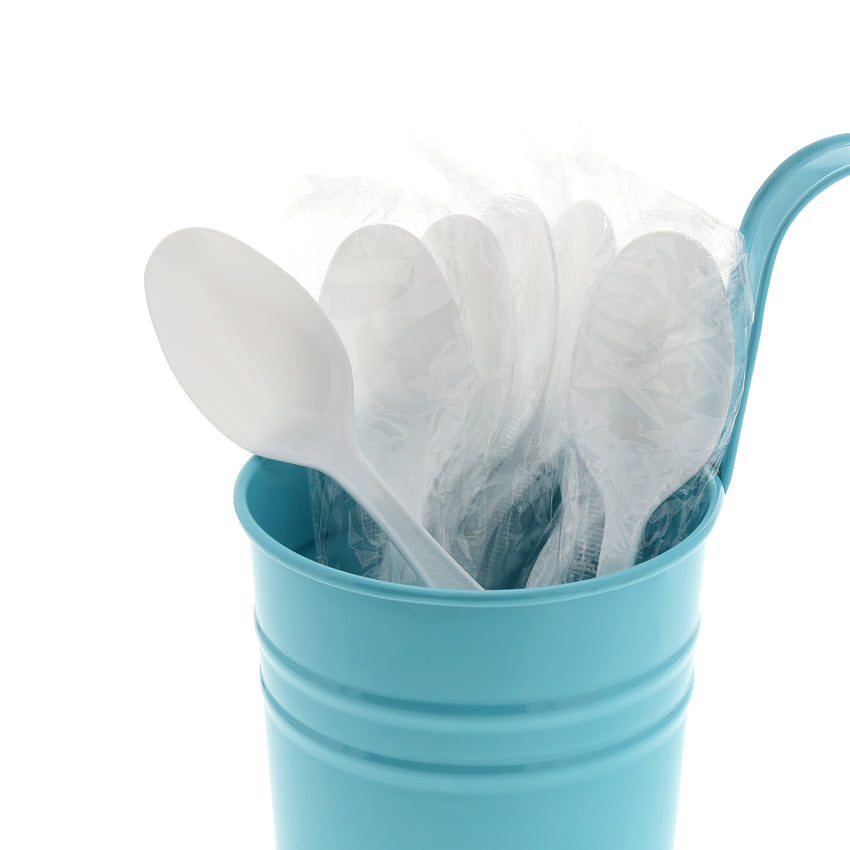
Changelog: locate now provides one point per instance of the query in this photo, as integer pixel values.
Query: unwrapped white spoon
(263, 363)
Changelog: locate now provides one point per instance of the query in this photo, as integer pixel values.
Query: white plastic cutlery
(413, 372)
(474, 266)
(263, 363)
(502, 509)
(473, 263)
(522, 231)
(584, 245)
(651, 381)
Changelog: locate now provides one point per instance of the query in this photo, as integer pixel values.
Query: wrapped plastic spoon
(264, 364)
(523, 233)
(505, 516)
(413, 372)
(584, 244)
(474, 266)
(651, 382)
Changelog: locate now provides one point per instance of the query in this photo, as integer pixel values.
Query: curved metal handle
(802, 176)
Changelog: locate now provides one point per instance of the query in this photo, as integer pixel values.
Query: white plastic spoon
(651, 381)
(413, 373)
(523, 233)
(263, 363)
(495, 513)
(508, 512)
(584, 244)
(473, 263)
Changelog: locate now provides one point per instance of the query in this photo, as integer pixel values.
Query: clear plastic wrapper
(481, 444)
(651, 381)
(497, 507)
(584, 246)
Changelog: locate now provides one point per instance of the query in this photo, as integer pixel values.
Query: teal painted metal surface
(405, 718)
(799, 179)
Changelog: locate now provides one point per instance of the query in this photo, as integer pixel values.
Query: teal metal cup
(405, 718)
(409, 718)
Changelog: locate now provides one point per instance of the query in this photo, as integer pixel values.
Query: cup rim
(350, 582)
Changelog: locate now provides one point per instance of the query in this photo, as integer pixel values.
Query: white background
(131, 713)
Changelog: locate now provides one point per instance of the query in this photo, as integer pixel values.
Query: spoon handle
(431, 563)
(620, 542)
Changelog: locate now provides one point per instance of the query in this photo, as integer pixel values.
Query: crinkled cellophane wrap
(461, 315)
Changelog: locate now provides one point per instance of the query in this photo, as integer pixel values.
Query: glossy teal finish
(799, 179)
(405, 718)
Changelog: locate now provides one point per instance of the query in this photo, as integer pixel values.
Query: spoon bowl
(224, 318)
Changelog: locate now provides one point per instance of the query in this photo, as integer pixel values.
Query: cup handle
(799, 179)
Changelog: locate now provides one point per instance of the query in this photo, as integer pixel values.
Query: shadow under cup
(408, 718)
